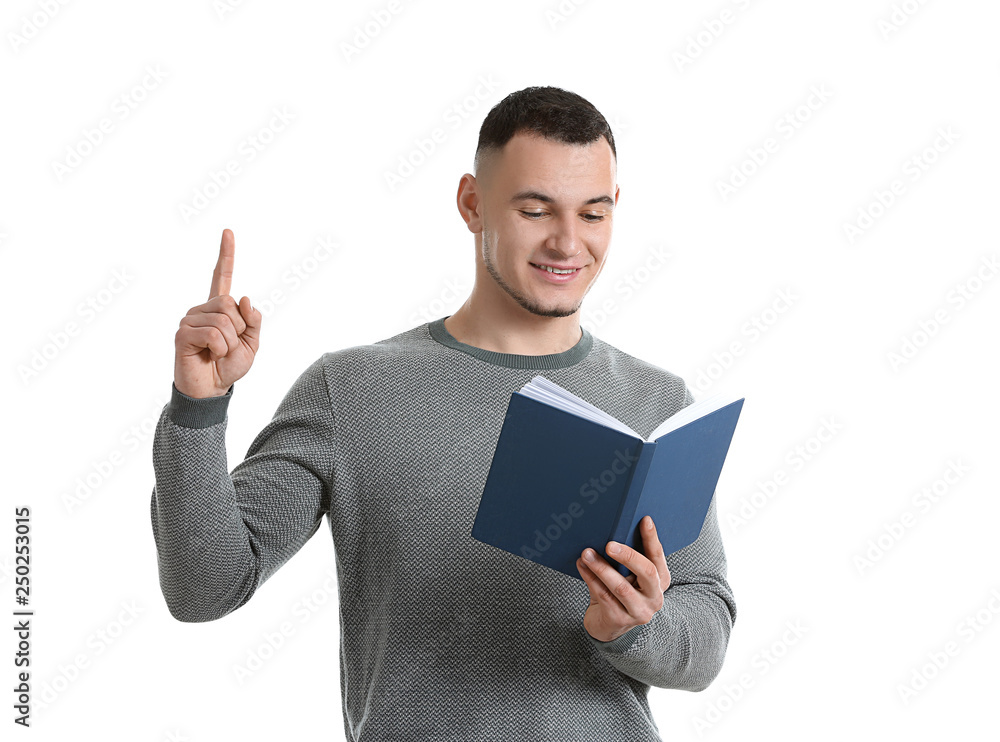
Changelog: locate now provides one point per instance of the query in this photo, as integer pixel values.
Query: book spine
(633, 493)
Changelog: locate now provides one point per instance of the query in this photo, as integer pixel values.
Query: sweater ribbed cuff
(190, 412)
(618, 645)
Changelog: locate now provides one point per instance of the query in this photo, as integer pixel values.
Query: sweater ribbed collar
(512, 360)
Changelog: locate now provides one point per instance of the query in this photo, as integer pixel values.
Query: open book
(566, 475)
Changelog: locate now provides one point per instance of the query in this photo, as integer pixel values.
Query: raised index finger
(222, 278)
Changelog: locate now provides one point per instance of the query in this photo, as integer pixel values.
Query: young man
(444, 637)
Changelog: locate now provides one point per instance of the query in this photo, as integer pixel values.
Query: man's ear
(470, 203)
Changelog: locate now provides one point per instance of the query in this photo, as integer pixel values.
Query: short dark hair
(551, 112)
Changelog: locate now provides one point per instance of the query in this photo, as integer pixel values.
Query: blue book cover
(566, 475)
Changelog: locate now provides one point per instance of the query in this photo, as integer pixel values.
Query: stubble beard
(516, 295)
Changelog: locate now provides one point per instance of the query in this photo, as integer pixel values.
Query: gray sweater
(442, 637)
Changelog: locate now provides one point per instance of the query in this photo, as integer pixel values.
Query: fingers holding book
(617, 603)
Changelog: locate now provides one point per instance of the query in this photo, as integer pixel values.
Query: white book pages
(693, 411)
(551, 393)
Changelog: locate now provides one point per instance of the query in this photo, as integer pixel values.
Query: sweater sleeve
(218, 535)
(684, 644)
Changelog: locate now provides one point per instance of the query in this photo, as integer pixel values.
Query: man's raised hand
(217, 341)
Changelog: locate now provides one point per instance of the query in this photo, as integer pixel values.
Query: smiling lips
(556, 274)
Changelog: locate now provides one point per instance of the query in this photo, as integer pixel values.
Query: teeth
(555, 270)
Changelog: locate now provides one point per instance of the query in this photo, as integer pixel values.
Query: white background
(893, 76)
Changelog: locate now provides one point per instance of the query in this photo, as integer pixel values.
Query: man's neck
(520, 332)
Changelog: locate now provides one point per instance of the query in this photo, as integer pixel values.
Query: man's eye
(589, 217)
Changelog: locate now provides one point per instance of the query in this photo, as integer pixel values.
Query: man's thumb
(252, 317)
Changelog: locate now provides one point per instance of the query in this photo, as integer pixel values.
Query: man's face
(546, 203)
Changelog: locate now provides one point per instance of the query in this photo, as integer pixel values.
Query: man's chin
(552, 310)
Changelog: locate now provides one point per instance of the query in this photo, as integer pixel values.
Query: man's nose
(565, 237)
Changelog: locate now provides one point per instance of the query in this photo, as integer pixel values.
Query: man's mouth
(558, 271)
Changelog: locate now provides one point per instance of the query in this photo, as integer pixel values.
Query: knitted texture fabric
(442, 637)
